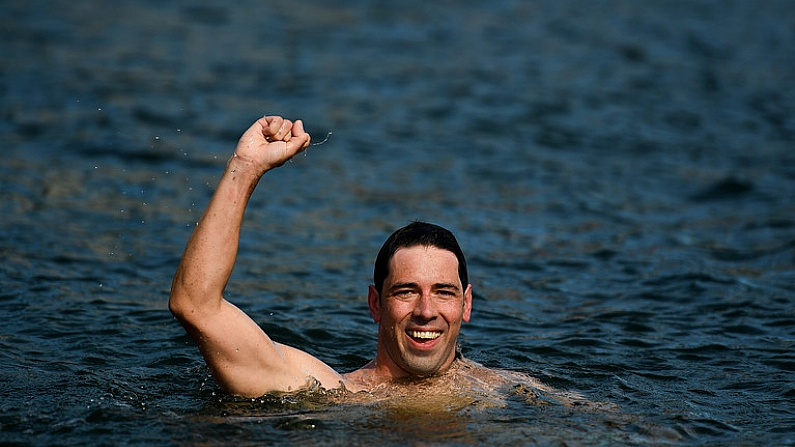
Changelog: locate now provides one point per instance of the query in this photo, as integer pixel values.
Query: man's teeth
(426, 335)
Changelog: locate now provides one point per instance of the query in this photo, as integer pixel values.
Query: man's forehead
(422, 257)
(431, 250)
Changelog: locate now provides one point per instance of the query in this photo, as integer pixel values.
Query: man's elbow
(189, 306)
(179, 302)
(176, 306)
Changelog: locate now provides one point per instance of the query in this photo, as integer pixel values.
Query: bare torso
(465, 381)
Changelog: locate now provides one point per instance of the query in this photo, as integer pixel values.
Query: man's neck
(377, 373)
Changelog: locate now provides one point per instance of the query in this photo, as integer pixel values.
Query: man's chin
(425, 367)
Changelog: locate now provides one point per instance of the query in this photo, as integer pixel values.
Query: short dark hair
(414, 234)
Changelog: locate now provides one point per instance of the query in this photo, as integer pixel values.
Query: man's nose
(425, 307)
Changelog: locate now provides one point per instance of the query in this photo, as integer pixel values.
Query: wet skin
(419, 312)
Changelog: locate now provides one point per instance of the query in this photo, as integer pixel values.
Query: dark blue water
(621, 175)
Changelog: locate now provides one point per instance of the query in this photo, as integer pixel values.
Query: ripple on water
(622, 183)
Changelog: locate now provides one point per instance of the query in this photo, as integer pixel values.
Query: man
(419, 298)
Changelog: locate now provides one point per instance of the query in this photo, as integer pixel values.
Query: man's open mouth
(423, 336)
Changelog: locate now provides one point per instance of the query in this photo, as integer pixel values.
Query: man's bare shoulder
(364, 379)
(464, 378)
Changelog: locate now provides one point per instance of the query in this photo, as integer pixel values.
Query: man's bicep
(246, 362)
(242, 358)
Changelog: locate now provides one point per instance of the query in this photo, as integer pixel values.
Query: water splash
(321, 142)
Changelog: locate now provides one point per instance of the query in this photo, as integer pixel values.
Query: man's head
(420, 298)
(422, 234)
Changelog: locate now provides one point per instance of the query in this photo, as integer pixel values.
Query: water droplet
(321, 142)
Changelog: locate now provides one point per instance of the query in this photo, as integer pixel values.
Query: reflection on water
(439, 412)
(620, 176)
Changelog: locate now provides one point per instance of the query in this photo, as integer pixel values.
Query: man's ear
(467, 303)
(374, 301)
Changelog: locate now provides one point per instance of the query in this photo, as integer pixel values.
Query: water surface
(621, 176)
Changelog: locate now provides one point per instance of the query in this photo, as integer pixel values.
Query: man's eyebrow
(403, 285)
(413, 285)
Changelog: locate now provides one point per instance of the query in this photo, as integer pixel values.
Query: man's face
(420, 312)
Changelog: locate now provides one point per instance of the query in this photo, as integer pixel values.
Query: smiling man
(419, 298)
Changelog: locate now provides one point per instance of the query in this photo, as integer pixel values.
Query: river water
(621, 175)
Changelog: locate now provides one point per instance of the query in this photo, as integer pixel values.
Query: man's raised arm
(241, 356)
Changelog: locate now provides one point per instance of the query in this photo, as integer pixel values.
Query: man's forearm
(212, 248)
(197, 289)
